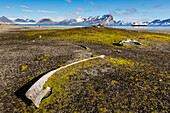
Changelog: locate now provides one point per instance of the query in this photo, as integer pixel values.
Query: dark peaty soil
(41, 56)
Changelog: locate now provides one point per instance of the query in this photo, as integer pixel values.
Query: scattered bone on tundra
(35, 93)
(129, 41)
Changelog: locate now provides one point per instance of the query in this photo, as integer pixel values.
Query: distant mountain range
(105, 20)
(5, 19)
(46, 21)
(160, 22)
(18, 20)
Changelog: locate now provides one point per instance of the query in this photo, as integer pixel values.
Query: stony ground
(94, 88)
(166, 31)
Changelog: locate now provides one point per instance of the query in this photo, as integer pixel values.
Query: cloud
(27, 10)
(98, 7)
(144, 15)
(77, 13)
(80, 9)
(144, 12)
(131, 10)
(24, 6)
(42, 11)
(118, 9)
(127, 12)
(68, 1)
(8, 7)
(156, 6)
(114, 13)
(132, 19)
(92, 3)
(15, 17)
(59, 18)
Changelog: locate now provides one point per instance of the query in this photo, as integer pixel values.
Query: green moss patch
(105, 36)
(106, 85)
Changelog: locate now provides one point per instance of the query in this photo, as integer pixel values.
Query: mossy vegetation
(77, 89)
(42, 57)
(104, 36)
(127, 80)
(120, 61)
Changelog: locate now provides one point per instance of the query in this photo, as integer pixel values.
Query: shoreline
(164, 31)
(9, 28)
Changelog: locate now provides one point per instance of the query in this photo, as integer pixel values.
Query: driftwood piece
(35, 93)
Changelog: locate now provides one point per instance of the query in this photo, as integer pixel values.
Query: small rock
(119, 51)
(137, 43)
(160, 80)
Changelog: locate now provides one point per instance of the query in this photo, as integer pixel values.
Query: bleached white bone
(35, 93)
(128, 40)
(40, 96)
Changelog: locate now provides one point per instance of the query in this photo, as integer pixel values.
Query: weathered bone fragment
(129, 41)
(35, 93)
(40, 96)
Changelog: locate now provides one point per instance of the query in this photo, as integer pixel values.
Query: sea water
(112, 26)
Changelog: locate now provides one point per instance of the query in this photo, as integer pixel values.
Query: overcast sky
(126, 10)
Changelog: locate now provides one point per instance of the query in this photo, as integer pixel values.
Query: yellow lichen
(120, 61)
(23, 67)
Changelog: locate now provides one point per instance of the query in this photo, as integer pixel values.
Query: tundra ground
(132, 78)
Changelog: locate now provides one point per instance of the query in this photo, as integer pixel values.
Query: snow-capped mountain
(24, 21)
(19, 20)
(72, 21)
(160, 22)
(105, 20)
(81, 19)
(155, 22)
(120, 22)
(31, 20)
(5, 19)
(68, 21)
